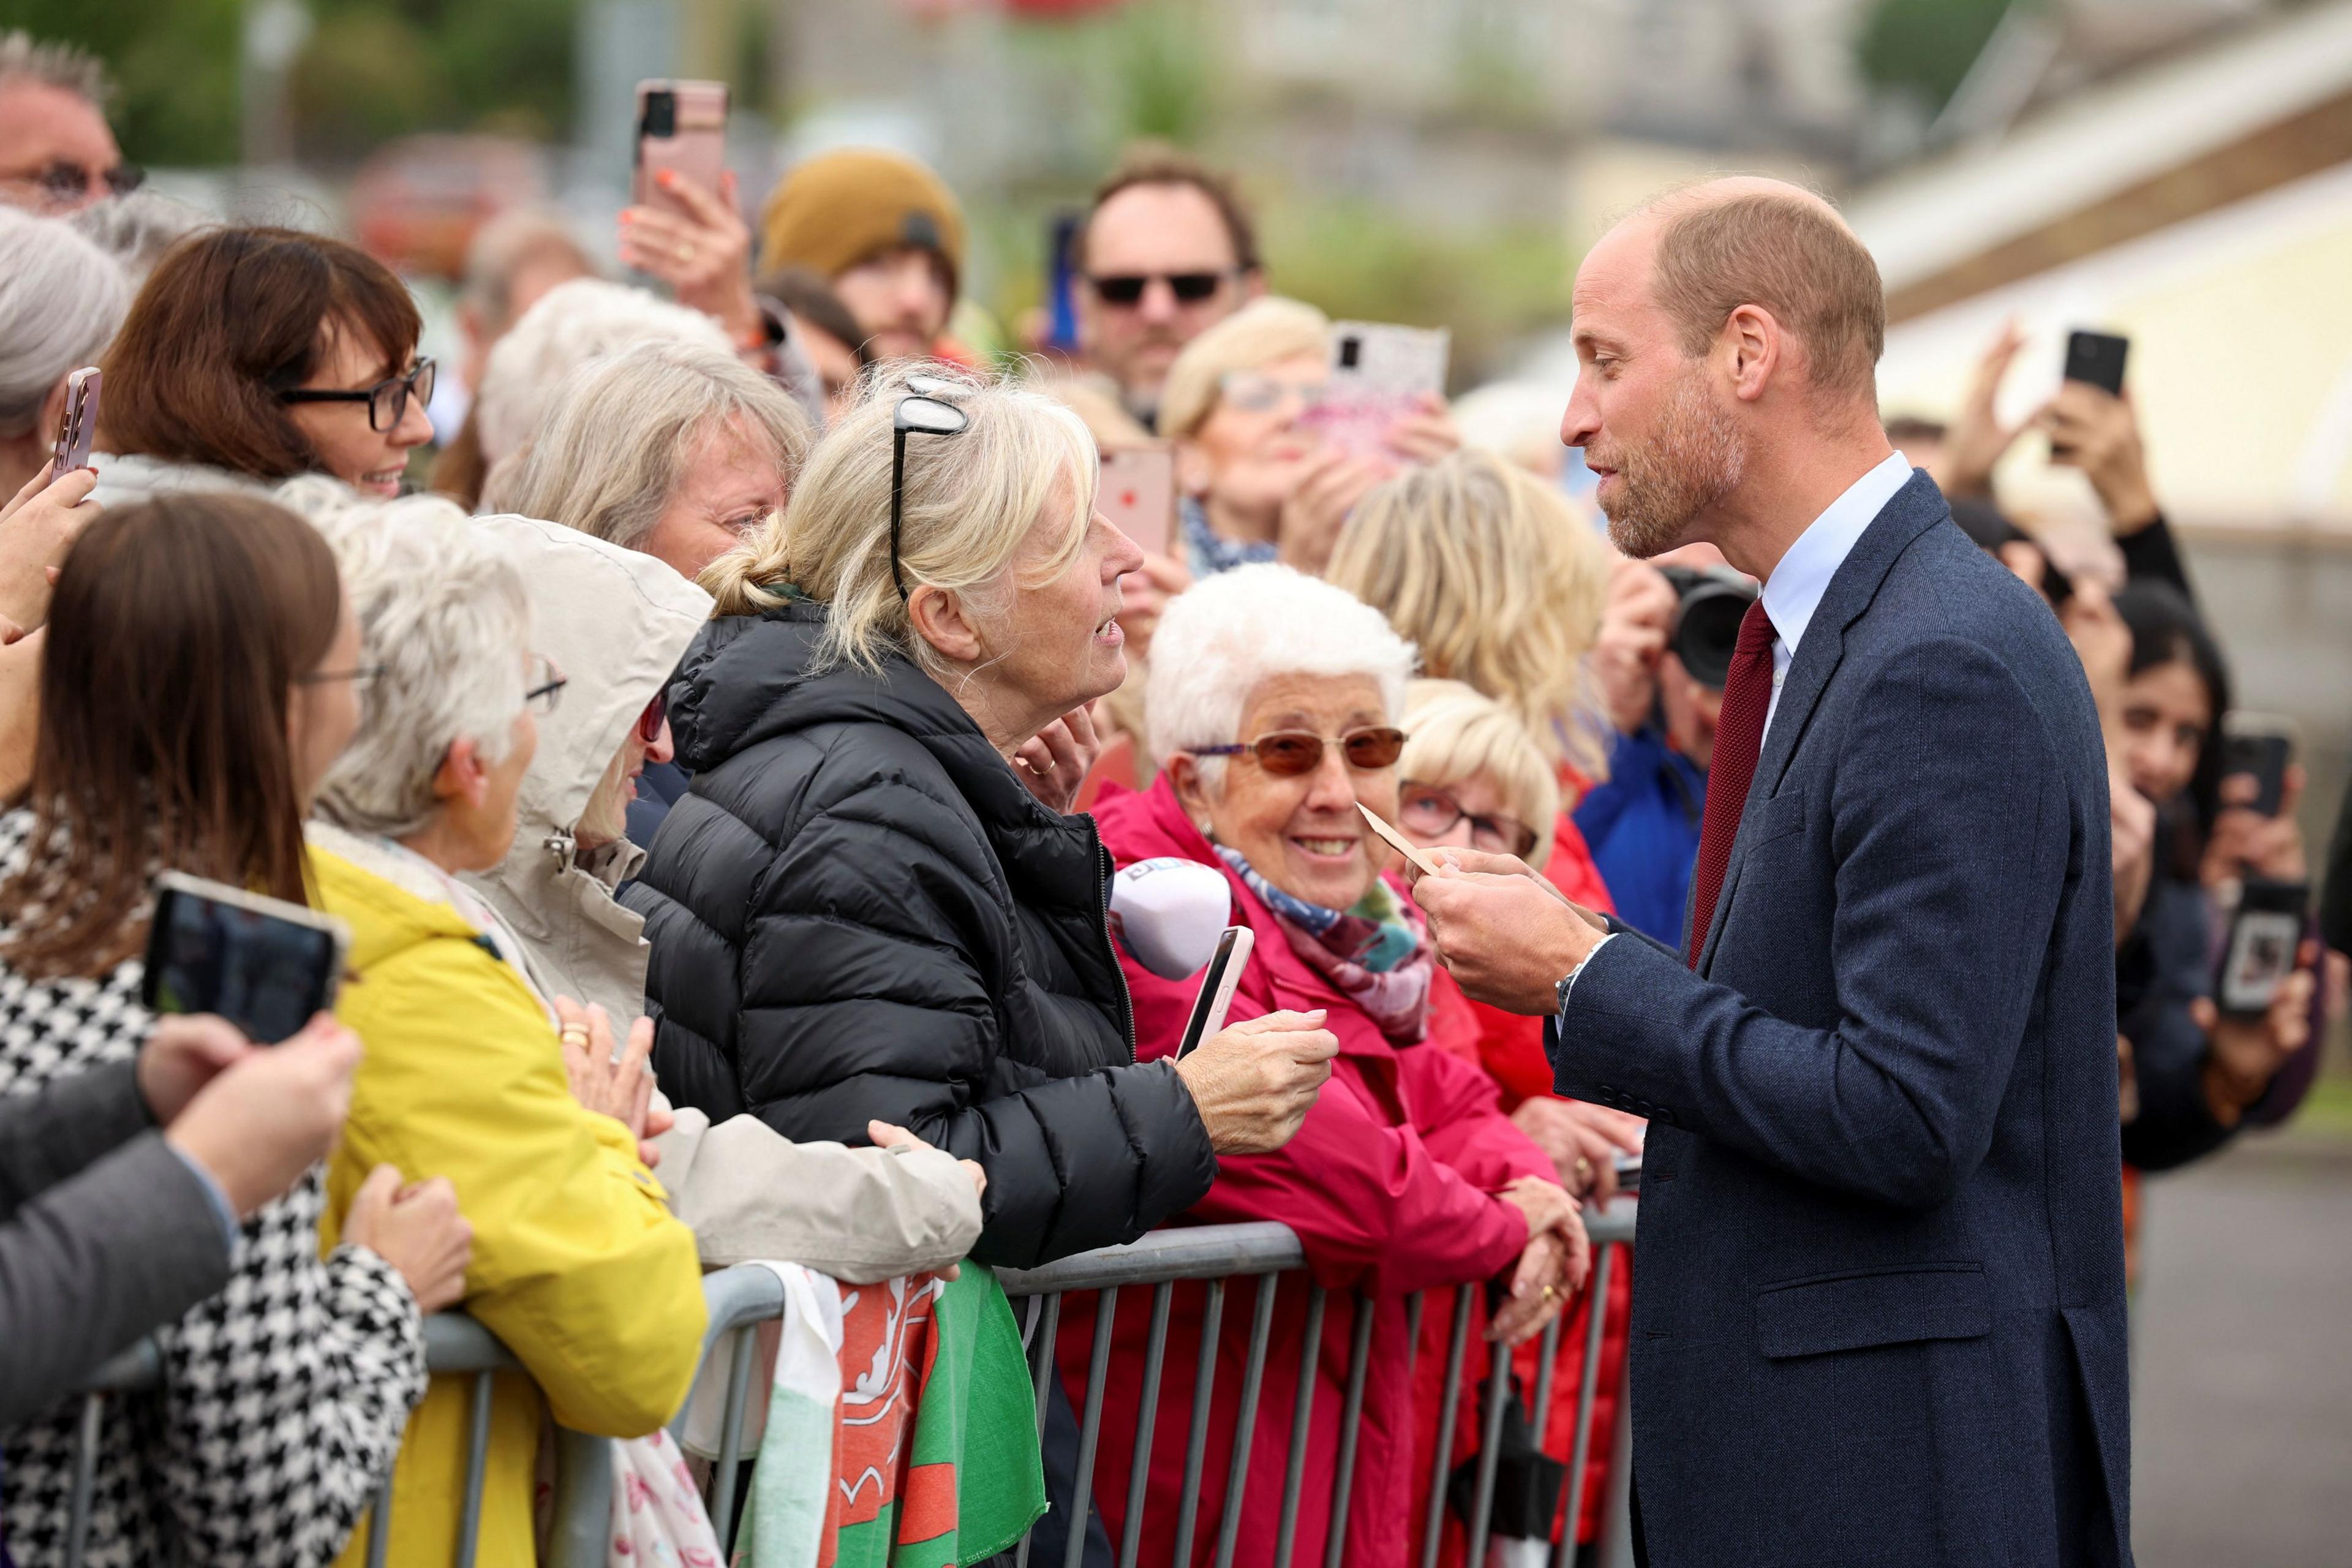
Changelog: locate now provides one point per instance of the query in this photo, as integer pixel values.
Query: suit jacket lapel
(1914, 508)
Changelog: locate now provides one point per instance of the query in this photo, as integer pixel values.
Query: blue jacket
(1878, 1315)
(1642, 825)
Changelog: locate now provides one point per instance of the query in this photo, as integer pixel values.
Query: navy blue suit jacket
(1878, 1309)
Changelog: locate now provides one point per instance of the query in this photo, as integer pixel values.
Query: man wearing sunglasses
(57, 154)
(1167, 252)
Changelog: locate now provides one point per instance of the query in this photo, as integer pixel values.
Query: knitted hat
(835, 210)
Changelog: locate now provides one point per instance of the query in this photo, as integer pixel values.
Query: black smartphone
(2262, 744)
(2097, 358)
(2260, 949)
(264, 965)
(1218, 983)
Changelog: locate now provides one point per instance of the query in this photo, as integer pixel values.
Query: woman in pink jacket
(1274, 703)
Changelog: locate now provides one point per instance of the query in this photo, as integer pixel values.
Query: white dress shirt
(1794, 590)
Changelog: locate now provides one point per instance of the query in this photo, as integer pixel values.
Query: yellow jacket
(578, 1266)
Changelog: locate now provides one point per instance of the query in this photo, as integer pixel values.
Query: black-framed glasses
(63, 183)
(1432, 812)
(922, 413)
(1286, 753)
(1125, 289)
(544, 684)
(387, 400)
(358, 675)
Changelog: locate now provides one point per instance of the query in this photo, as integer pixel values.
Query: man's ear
(938, 618)
(462, 775)
(1754, 345)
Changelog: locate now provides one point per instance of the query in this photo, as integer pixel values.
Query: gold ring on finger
(575, 1034)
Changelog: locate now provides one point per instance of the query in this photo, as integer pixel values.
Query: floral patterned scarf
(1375, 954)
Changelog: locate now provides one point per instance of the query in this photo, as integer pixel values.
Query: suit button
(1606, 1091)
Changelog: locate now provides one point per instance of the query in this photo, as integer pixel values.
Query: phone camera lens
(661, 113)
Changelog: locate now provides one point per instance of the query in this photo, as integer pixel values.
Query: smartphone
(265, 965)
(1062, 282)
(79, 424)
(2097, 358)
(1218, 983)
(682, 126)
(2259, 952)
(1139, 493)
(1377, 373)
(2262, 744)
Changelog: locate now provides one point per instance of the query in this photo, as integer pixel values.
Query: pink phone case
(695, 146)
(1139, 494)
(80, 425)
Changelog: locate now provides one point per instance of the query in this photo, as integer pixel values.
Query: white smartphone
(1218, 983)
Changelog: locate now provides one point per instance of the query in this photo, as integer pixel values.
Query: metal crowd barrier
(740, 1300)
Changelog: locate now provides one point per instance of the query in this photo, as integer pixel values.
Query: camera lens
(661, 113)
(1707, 629)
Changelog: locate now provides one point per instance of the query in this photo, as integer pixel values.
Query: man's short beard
(1695, 458)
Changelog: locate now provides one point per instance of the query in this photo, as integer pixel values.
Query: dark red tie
(1739, 740)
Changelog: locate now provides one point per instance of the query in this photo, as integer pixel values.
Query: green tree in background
(372, 70)
(1925, 47)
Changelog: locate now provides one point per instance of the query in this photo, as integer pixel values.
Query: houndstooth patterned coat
(285, 1396)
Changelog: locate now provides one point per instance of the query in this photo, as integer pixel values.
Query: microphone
(1170, 913)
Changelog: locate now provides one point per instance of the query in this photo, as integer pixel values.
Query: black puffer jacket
(859, 912)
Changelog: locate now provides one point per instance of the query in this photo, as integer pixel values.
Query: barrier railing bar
(1302, 1419)
(1412, 1311)
(1547, 1361)
(1082, 1490)
(1041, 1373)
(1196, 1441)
(1188, 1252)
(1359, 1359)
(730, 1434)
(1229, 1525)
(85, 1475)
(1432, 1528)
(1490, 1445)
(1588, 1389)
(477, 1460)
(378, 1539)
(582, 1535)
(1155, 1358)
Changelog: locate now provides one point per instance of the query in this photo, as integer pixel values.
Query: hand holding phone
(2261, 949)
(1218, 983)
(2262, 746)
(78, 426)
(681, 129)
(2097, 359)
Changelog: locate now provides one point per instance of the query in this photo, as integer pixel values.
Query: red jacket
(1388, 1185)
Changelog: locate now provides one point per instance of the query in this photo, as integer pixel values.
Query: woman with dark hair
(201, 674)
(2199, 1076)
(255, 354)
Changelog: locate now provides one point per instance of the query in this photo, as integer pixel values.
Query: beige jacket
(616, 622)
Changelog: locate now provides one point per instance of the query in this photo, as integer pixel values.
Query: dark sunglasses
(1433, 812)
(650, 722)
(921, 412)
(1125, 288)
(387, 400)
(62, 183)
(1286, 753)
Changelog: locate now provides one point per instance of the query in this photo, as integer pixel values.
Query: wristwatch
(1567, 982)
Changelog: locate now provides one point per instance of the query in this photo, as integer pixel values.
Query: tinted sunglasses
(650, 722)
(1286, 754)
(1433, 812)
(387, 400)
(1125, 288)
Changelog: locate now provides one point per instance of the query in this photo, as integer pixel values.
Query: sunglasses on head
(1125, 288)
(1286, 754)
(923, 411)
(1433, 812)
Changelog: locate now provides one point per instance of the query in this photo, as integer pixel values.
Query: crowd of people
(723, 728)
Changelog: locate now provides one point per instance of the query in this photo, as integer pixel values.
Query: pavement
(2243, 1360)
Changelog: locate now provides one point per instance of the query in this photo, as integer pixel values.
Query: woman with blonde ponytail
(872, 906)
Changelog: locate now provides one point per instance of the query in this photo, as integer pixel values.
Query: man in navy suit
(1878, 1315)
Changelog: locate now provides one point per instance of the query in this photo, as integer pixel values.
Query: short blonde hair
(612, 447)
(1455, 732)
(1501, 584)
(971, 500)
(1256, 336)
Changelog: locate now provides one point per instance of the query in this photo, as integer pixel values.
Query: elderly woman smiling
(1274, 703)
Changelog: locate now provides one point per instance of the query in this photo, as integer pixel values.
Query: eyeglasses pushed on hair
(387, 400)
(922, 412)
